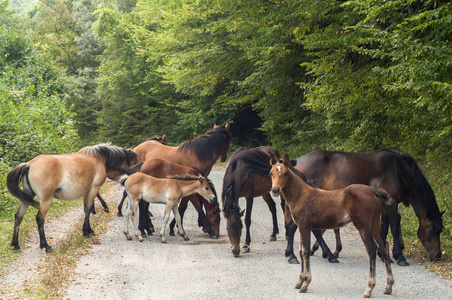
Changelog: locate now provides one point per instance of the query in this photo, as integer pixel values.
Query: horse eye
(285, 173)
(206, 188)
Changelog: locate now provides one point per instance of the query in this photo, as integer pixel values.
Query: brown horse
(246, 176)
(313, 208)
(201, 153)
(65, 177)
(168, 191)
(113, 175)
(161, 168)
(396, 173)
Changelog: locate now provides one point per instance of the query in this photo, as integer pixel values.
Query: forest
(296, 75)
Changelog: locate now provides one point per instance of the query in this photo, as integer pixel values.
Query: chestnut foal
(313, 208)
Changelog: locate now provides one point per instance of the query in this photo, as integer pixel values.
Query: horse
(168, 191)
(313, 208)
(113, 175)
(246, 176)
(200, 152)
(65, 177)
(396, 173)
(161, 168)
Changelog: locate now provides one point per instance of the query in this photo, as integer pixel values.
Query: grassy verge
(28, 225)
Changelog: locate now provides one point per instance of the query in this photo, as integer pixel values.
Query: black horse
(397, 174)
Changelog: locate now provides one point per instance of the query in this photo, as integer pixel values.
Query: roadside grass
(28, 225)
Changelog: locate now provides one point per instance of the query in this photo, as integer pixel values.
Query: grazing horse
(246, 176)
(161, 168)
(168, 191)
(65, 177)
(201, 153)
(113, 175)
(313, 208)
(397, 174)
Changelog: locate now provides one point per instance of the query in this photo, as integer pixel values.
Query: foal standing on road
(313, 208)
(168, 191)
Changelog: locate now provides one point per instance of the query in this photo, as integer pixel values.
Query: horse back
(65, 176)
(335, 170)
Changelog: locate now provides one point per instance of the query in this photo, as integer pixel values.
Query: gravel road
(202, 268)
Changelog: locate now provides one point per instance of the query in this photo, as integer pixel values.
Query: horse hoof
(120, 215)
(366, 296)
(164, 242)
(303, 290)
(246, 249)
(49, 249)
(172, 234)
(214, 236)
(272, 238)
(106, 210)
(294, 261)
(186, 238)
(403, 263)
(333, 261)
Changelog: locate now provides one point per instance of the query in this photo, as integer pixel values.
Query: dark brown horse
(161, 168)
(201, 153)
(113, 175)
(396, 173)
(313, 208)
(246, 176)
(65, 177)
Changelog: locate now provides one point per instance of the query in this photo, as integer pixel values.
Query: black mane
(114, 156)
(209, 144)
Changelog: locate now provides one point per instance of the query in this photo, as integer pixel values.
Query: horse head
(234, 228)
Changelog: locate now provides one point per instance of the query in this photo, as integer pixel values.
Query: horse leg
(272, 206)
(249, 209)
(326, 251)
(338, 242)
(124, 195)
(383, 248)
(126, 218)
(394, 223)
(145, 223)
(305, 254)
(104, 204)
(17, 220)
(88, 201)
(291, 229)
(44, 205)
(316, 244)
(371, 249)
(179, 223)
(183, 204)
(136, 232)
(168, 207)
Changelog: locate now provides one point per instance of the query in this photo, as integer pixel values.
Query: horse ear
(164, 139)
(286, 159)
(227, 126)
(242, 212)
(272, 159)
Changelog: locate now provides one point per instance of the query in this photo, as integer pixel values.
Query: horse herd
(320, 190)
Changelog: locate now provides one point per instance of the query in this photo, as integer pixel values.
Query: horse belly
(333, 222)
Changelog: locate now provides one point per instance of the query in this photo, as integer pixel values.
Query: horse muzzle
(275, 192)
(434, 256)
(212, 199)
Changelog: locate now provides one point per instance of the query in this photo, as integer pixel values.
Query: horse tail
(12, 182)
(383, 196)
(130, 171)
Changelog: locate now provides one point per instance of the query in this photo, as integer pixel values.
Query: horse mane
(243, 163)
(207, 145)
(113, 155)
(423, 191)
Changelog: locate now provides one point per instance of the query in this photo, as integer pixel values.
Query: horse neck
(187, 186)
(294, 188)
